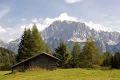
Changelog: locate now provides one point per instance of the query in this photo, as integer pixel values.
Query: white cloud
(39, 26)
(15, 32)
(4, 11)
(7, 34)
(64, 16)
(61, 17)
(44, 23)
(2, 30)
(27, 26)
(72, 1)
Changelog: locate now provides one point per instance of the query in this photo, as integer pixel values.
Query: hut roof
(35, 57)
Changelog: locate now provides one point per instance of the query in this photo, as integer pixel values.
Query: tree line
(89, 56)
(7, 58)
(112, 60)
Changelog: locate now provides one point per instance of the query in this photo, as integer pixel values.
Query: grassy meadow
(63, 74)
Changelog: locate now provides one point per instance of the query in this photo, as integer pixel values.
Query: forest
(89, 56)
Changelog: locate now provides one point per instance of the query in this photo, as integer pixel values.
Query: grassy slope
(64, 74)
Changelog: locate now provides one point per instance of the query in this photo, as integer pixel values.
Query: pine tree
(107, 59)
(115, 62)
(31, 44)
(24, 50)
(90, 54)
(76, 55)
(63, 53)
(38, 43)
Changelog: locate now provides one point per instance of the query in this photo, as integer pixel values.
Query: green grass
(63, 74)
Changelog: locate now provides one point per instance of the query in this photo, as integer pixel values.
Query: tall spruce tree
(31, 44)
(115, 62)
(90, 54)
(24, 50)
(38, 44)
(107, 59)
(76, 55)
(63, 53)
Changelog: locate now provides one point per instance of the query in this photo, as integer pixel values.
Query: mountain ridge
(79, 32)
(72, 31)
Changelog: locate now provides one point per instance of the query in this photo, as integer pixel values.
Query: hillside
(64, 74)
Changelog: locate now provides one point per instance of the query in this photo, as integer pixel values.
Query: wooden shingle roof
(35, 57)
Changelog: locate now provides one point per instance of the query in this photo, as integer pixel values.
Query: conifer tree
(76, 55)
(31, 44)
(63, 53)
(24, 50)
(90, 54)
(37, 42)
(107, 59)
(115, 62)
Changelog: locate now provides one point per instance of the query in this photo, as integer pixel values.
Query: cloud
(4, 11)
(47, 21)
(2, 30)
(72, 1)
(27, 26)
(40, 26)
(61, 17)
(44, 23)
(65, 16)
(7, 34)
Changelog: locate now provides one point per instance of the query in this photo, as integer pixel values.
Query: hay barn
(41, 60)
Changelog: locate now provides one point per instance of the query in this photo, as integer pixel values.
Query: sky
(15, 15)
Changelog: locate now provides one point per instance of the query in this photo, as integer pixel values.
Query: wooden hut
(41, 60)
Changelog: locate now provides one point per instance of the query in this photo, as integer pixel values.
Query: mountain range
(72, 31)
